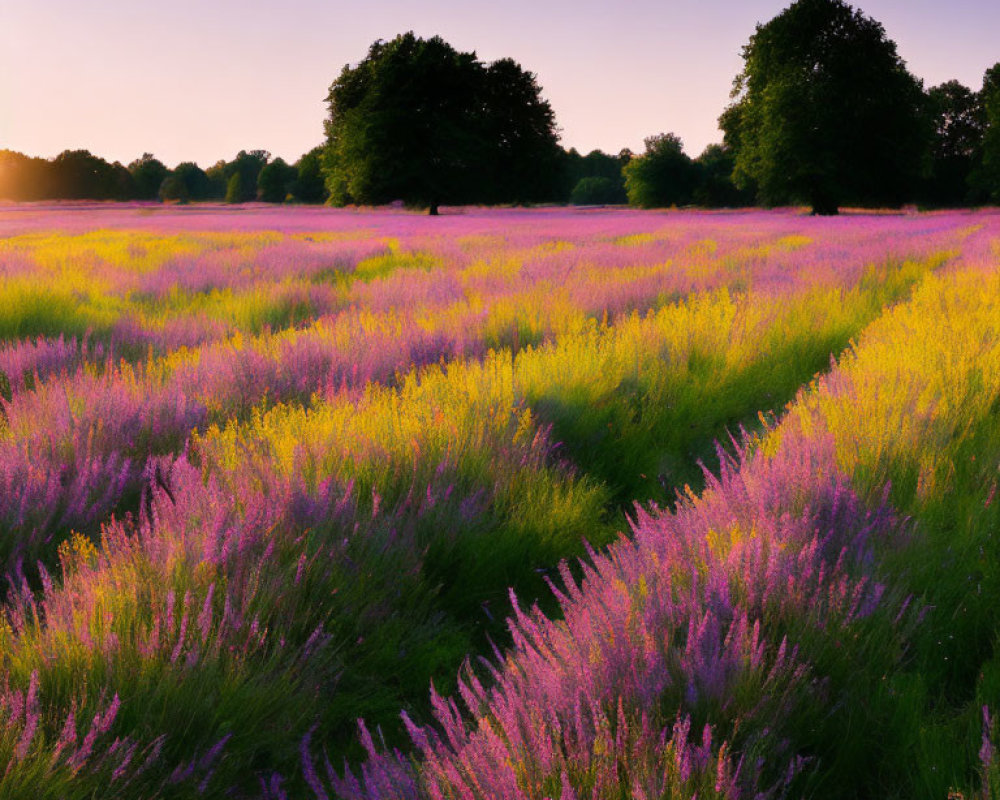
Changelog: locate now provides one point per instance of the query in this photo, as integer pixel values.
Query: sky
(199, 80)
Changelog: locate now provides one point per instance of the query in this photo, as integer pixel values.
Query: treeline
(596, 178)
(81, 175)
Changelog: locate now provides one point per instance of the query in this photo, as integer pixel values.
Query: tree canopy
(956, 118)
(662, 176)
(148, 172)
(594, 178)
(275, 181)
(309, 186)
(825, 111)
(421, 122)
(986, 174)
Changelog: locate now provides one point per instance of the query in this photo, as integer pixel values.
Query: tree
(825, 111)
(594, 190)
(191, 182)
(308, 186)
(248, 165)
(662, 176)
(418, 121)
(120, 183)
(24, 177)
(174, 189)
(596, 164)
(986, 175)
(275, 181)
(217, 179)
(148, 173)
(958, 124)
(715, 187)
(234, 188)
(519, 127)
(79, 175)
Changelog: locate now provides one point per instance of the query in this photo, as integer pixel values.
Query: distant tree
(217, 180)
(148, 173)
(24, 177)
(596, 191)
(193, 184)
(79, 175)
(419, 121)
(308, 186)
(234, 189)
(275, 181)
(958, 125)
(825, 111)
(715, 187)
(662, 176)
(985, 177)
(174, 189)
(121, 184)
(248, 164)
(596, 164)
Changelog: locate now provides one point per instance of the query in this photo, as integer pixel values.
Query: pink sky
(201, 79)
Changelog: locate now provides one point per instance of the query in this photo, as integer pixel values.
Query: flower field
(504, 504)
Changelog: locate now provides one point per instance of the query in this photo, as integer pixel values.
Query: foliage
(986, 175)
(715, 187)
(192, 181)
(266, 471)
(662, 176)
(149, 173)
(825, 111)
(522, 155)
(418, 121)
(174, 189)
(275, 181)
(308, 186)
(595, 191)
(235, 193)
(595, 164)
(958, 126)
(23, 177)
(77, 175)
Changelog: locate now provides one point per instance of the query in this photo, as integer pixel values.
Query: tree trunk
(433, 210)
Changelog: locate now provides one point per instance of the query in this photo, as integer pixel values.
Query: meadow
(507, 503)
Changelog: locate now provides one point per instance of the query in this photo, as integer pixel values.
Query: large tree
(419, 121)
(825, 111)
(956, 116)
(986, 175)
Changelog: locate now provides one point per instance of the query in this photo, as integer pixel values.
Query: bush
(234, 189)
(174, 189)
(662, 176)
(596, 191)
